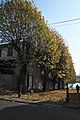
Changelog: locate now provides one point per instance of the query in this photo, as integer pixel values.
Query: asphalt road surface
(18, 111)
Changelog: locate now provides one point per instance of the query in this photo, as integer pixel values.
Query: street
(18, 111)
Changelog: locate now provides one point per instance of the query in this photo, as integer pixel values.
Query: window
(10, 51)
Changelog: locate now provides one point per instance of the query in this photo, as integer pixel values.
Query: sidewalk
(70, 104)
(16, 99)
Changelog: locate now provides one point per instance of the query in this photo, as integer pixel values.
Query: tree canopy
(23, 26)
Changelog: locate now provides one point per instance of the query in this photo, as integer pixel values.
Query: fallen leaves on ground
(56, 95)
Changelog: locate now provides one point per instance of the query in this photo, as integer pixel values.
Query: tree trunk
(58, 84)
(63, 84)
(44, 85)
(45, 79)
(27, 81)
(53, 84)
(19, 94)
(54, 81)
(21, 81)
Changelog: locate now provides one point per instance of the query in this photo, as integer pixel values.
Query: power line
(62, 25)
(65, 21)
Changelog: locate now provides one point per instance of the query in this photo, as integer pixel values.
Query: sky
(62, 10)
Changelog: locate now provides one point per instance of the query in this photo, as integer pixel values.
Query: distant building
(78, 78)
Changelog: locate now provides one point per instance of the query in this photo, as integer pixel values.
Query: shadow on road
(38, 112)
(22, 112)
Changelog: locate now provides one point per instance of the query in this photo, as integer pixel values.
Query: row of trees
(23, 26)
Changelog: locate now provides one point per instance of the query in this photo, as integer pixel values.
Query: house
(9, 70)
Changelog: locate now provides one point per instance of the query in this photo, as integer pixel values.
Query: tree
(24, 28)
(16, 28)
(71, 74)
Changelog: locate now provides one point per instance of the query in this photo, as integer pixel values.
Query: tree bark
(45, 79)
(21, 81)
(27, 81)
(54, 84)
(58, 84)
(63, 84)
(19, 94)
(44, 85)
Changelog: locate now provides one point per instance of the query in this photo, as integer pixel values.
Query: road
(17, 111)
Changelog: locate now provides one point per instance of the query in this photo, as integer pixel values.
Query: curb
(40, 102)
(12, 100)
(19, 100)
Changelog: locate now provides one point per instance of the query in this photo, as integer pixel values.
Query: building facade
(9, 71)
